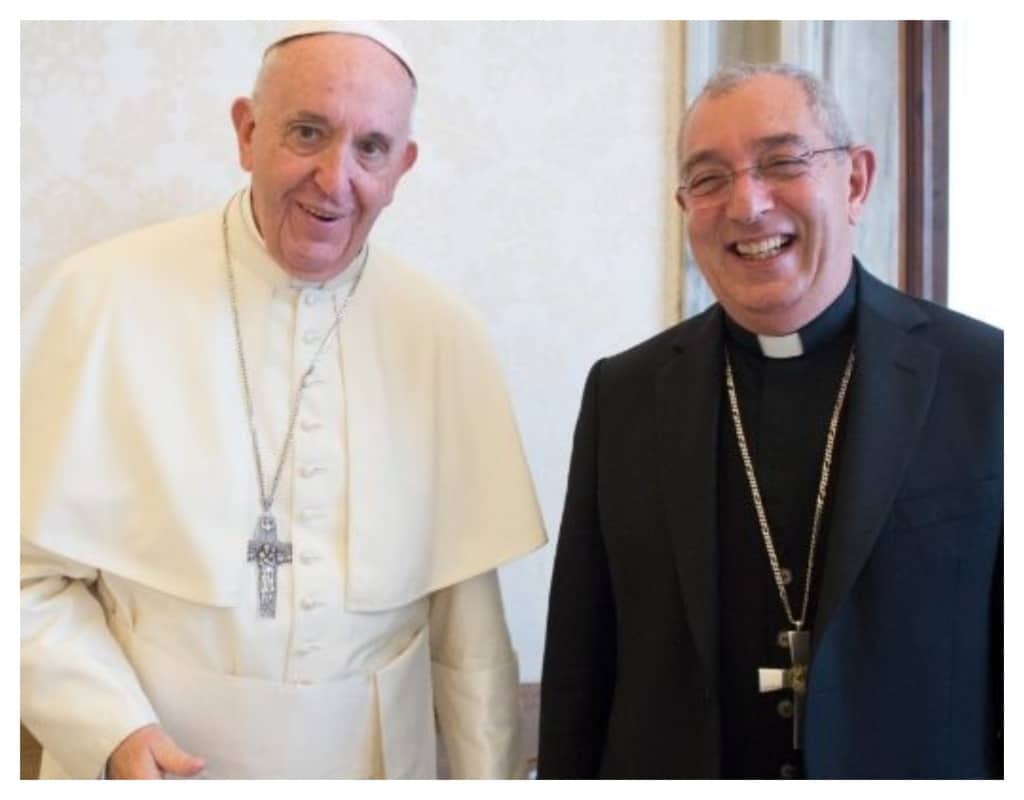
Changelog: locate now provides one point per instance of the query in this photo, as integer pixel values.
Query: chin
(310, 267)
(313, 272)
(770, 313)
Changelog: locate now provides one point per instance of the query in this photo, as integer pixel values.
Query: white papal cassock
(405, 488)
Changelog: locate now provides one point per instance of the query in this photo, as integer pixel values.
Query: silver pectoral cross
(793, 678)
(269, 554)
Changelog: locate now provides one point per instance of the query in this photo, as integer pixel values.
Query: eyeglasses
(709, 186)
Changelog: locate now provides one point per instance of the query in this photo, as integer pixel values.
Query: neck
(835, 318)
(781, 322)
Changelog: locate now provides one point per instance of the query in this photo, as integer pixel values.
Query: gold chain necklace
(798, 639)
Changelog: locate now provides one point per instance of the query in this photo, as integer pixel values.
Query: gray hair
(820, 97)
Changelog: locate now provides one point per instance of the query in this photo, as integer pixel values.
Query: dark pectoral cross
(269, 554)
(793, 678)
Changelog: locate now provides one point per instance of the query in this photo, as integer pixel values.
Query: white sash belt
(373, 725)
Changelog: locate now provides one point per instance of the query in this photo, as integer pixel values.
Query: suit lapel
(893, 383)
(687, 403)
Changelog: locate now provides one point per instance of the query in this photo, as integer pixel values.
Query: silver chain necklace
(264, 548)
(798, 639)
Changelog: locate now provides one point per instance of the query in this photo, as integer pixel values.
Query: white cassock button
(310, 425)
(310, 297)
(311, 337)
(308, 557)
(309, 603)
(309, 470)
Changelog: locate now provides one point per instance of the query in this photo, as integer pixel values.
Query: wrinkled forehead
(337, 76)
(746, 118)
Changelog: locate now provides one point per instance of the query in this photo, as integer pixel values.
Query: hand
(148, 752)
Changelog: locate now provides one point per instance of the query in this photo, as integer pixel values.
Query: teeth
(320, 214)
(761, 249)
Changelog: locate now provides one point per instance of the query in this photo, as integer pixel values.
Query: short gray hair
(820, 97)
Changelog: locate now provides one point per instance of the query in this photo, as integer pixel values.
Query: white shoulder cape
(135, 451)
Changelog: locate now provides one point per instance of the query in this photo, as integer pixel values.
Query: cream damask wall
(541, 192)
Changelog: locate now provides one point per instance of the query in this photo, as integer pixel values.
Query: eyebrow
(764, 143)
(312, 117)
(306, 116)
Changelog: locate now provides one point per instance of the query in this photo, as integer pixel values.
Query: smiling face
(775, 253)
(326, 138)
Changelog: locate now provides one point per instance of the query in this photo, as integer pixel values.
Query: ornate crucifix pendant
(793, 678)
(269, 554)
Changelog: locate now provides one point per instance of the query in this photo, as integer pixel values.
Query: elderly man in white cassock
(269, 472)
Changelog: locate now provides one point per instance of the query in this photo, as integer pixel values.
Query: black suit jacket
(905, 677)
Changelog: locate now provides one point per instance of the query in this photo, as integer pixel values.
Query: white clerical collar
(788, 346)
(254, 254)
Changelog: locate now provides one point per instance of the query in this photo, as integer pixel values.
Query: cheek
(374, 193)
(279, 172)
(821, 211)
(702, 232)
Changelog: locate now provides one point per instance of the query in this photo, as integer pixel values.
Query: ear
(409, 157)
(244, 120)
(681, 199)
(405, 162)
(862, 175)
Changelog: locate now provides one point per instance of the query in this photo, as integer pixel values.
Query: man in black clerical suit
(781, 550)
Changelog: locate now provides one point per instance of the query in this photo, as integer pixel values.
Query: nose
(749, 197)
(334, 169)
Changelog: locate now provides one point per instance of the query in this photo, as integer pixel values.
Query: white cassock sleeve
(79, 694)
(476, 680)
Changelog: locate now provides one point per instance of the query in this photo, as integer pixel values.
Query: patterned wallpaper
(540, 194)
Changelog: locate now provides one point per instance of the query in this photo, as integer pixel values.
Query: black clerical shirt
(785, 405)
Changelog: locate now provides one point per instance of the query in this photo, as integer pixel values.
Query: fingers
(132, 758)
(150, 753)
(139, 765)
(173, 760)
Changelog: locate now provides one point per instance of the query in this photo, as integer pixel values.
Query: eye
(704, 183)
(783, 166)
(373, 147)
(305, 137)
